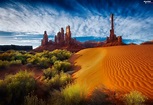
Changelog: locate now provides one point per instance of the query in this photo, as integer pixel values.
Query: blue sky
(23, 23)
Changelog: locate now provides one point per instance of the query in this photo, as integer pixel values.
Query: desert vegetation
(55, 86)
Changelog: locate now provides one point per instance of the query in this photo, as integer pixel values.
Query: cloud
(85, 19)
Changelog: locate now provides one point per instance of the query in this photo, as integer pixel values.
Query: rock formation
(112, 39)
(65, 41)
(44, 41)
(68, 36)
(61, 41)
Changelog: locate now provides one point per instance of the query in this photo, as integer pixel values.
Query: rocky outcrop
(113, 40)
(44, 41)
(61, 41)
(65, 41)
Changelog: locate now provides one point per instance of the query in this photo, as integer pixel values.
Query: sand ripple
(120, 68)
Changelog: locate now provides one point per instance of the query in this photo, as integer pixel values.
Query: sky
(23, 22)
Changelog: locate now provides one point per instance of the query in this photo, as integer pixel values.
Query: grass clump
(74, 94)
(134, 98)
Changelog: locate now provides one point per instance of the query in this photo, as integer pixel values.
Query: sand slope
(119, 68)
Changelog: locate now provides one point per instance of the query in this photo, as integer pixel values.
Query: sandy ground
(119, 68)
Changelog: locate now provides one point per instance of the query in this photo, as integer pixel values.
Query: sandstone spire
(68, 35)
(112, 35)
(44, 41)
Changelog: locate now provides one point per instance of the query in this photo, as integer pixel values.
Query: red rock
(112, 40)
(44, 41)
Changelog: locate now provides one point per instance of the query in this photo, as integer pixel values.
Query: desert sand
(118, 68)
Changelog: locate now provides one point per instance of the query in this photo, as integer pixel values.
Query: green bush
(17, 86)
(39, 60)
(4, 64)
(56, 98)
(32, 99)
(53, 59)
(74, 94)
(134, 98)
(62, 54)
(99, 97)
(49, 73)
(62, 66)
(15, 62)
(58, 80)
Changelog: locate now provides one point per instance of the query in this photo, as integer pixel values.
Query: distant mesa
(15, 47)
(65, 41)
(147, 42)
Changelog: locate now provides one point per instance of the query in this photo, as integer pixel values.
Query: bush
(62, 66)
(15, 62)
(53, 59)
(32, 99)
(74, 94)
(3, 95)
(61, 54)
(58, 80)
(39, 61)
(17, 86)
(49, 73)
(4, 64)
(99, 97)
(134, 98)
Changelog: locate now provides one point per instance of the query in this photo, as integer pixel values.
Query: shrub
(62, 65)
(15, 62)
(99, 97)
(43, 62)
(32, 99)
(56, 98)
(21, 57)
(39, 61)
(134, 98)
(49, 73)
(4, 64)
(18, 85)
(61, 54)
(58, 80)
(53, 59)
(74, 94)
(3, 92)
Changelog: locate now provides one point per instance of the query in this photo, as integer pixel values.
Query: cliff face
(15, 47)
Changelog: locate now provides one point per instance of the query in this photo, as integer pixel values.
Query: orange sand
(119, 68)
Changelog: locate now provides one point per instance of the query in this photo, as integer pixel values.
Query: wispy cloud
(85, 20)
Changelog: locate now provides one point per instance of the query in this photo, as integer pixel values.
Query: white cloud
(35, 20)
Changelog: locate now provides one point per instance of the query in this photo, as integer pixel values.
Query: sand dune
(119, 68)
